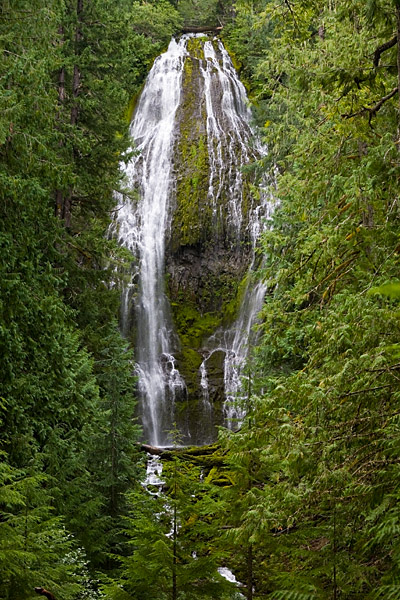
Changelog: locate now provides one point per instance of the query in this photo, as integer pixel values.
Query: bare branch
(366, 391)
(292, 13)
(46, 593)
(381, 49)
(372, 110)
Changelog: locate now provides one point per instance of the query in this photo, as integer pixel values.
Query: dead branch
(381, 49)
(372, 110)
(366, 391)
(46, 593)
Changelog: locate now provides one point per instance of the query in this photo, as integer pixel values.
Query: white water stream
(228, 132)
(142, 228)
(142, 225)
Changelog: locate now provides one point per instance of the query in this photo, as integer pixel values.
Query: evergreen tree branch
(386, 369)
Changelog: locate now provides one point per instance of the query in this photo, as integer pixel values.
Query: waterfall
(153, 482)
(142, 228)
(144, 225)
(228, 117)
(241, 336)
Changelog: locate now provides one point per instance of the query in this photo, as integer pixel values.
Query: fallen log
(153, 450)
(203, 29)
(190, 450)
(207, 456)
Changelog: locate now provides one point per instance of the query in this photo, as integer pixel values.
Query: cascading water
(228, 132)
(142, 227)
(235, 341)
(145, 223)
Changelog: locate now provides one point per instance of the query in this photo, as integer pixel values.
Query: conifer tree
(69, 72)
(325, 415)
(173, 541)
(35, 547)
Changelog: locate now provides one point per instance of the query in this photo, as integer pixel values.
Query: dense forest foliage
(300, 503)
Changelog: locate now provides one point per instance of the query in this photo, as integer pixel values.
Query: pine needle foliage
(324, 431)
(174, 551)
(69, 73)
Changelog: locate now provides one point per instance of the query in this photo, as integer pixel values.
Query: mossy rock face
(130, 109)
(215, 371)
(207, 255)
(192, 325)
(191, 219)
(193, 328)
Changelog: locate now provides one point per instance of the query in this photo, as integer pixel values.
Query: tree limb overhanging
(372, 110)
(381, 49)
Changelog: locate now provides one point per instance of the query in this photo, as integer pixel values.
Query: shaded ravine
(213, 236)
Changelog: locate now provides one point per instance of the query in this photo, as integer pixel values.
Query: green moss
(189, 364)
(193, 326)
(188, 68)
(193, 220)
(130, 109)
(192, 217)
(231, 308)
(210, 295)
(195, 46)
(210, 457)
(192, 213)
(191, 359)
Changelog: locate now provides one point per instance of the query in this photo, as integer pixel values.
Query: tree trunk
(249, 583)
(76, 79)
(76, 87)
(61, 86)
(335, 588)
(398, 67)
(76, 83)
(114, 456)
(204, 29)
(175, 542)
(174, 559)
(59, 208)
(169, 452)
